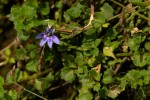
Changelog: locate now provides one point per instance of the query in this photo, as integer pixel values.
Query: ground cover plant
(74, 49)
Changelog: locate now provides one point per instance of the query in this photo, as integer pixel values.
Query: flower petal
(50, 43)
(48, 30)
(40, 35)
(53, 30)
(55, 39)
(43, 41)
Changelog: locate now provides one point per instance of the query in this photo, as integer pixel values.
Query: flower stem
(138, 14)
(73, 47)
(124, 54)
(31, 92)
(60, 14)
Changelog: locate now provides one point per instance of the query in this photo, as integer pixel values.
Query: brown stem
(118, 66)
(57, 87)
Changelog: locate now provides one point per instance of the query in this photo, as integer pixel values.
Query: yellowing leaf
(108, 51)
(114, 93)
(105, 25)
(8, 52)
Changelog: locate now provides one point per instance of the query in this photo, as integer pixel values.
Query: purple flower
(48, 37)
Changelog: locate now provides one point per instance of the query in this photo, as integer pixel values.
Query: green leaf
(81, 7)
(50, 77)
(95, 52)
(38, 85)
(72, 65)
(134, 78)
(69, 61)
(23, 18)
(50, 23)
(74, 12)
(107, 79)
(103, 92)
(92, 73)
(134, 42)
(79, 59)
(59, 4)
(30, 12)
(11, 95)
(141, 92)
(44, 83)
(88, 45)
(32, 66)
(107, 10)
(98, 77)
(90, 31)
(84, 89)
(2, 91)
(141, 59)
(1, 81)
(9, 78)
(32, 49)
(99, 18)
(147, 46)
(96, 87)
(123, 83)
(91, 61)
(139, 3)
(145, 74)
(22, 36)
(111, 33)
(20, 54)
(97, 42)
(67, 17)
(81, 71)
(17, 75)
(44, 8)
(89, 39)
(85, 96)
(148, 21)
(67, 74)
(87, 82)
(135, 0)
(32, 3)
(33, 54)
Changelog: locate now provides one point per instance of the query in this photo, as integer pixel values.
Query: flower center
(49, 34)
